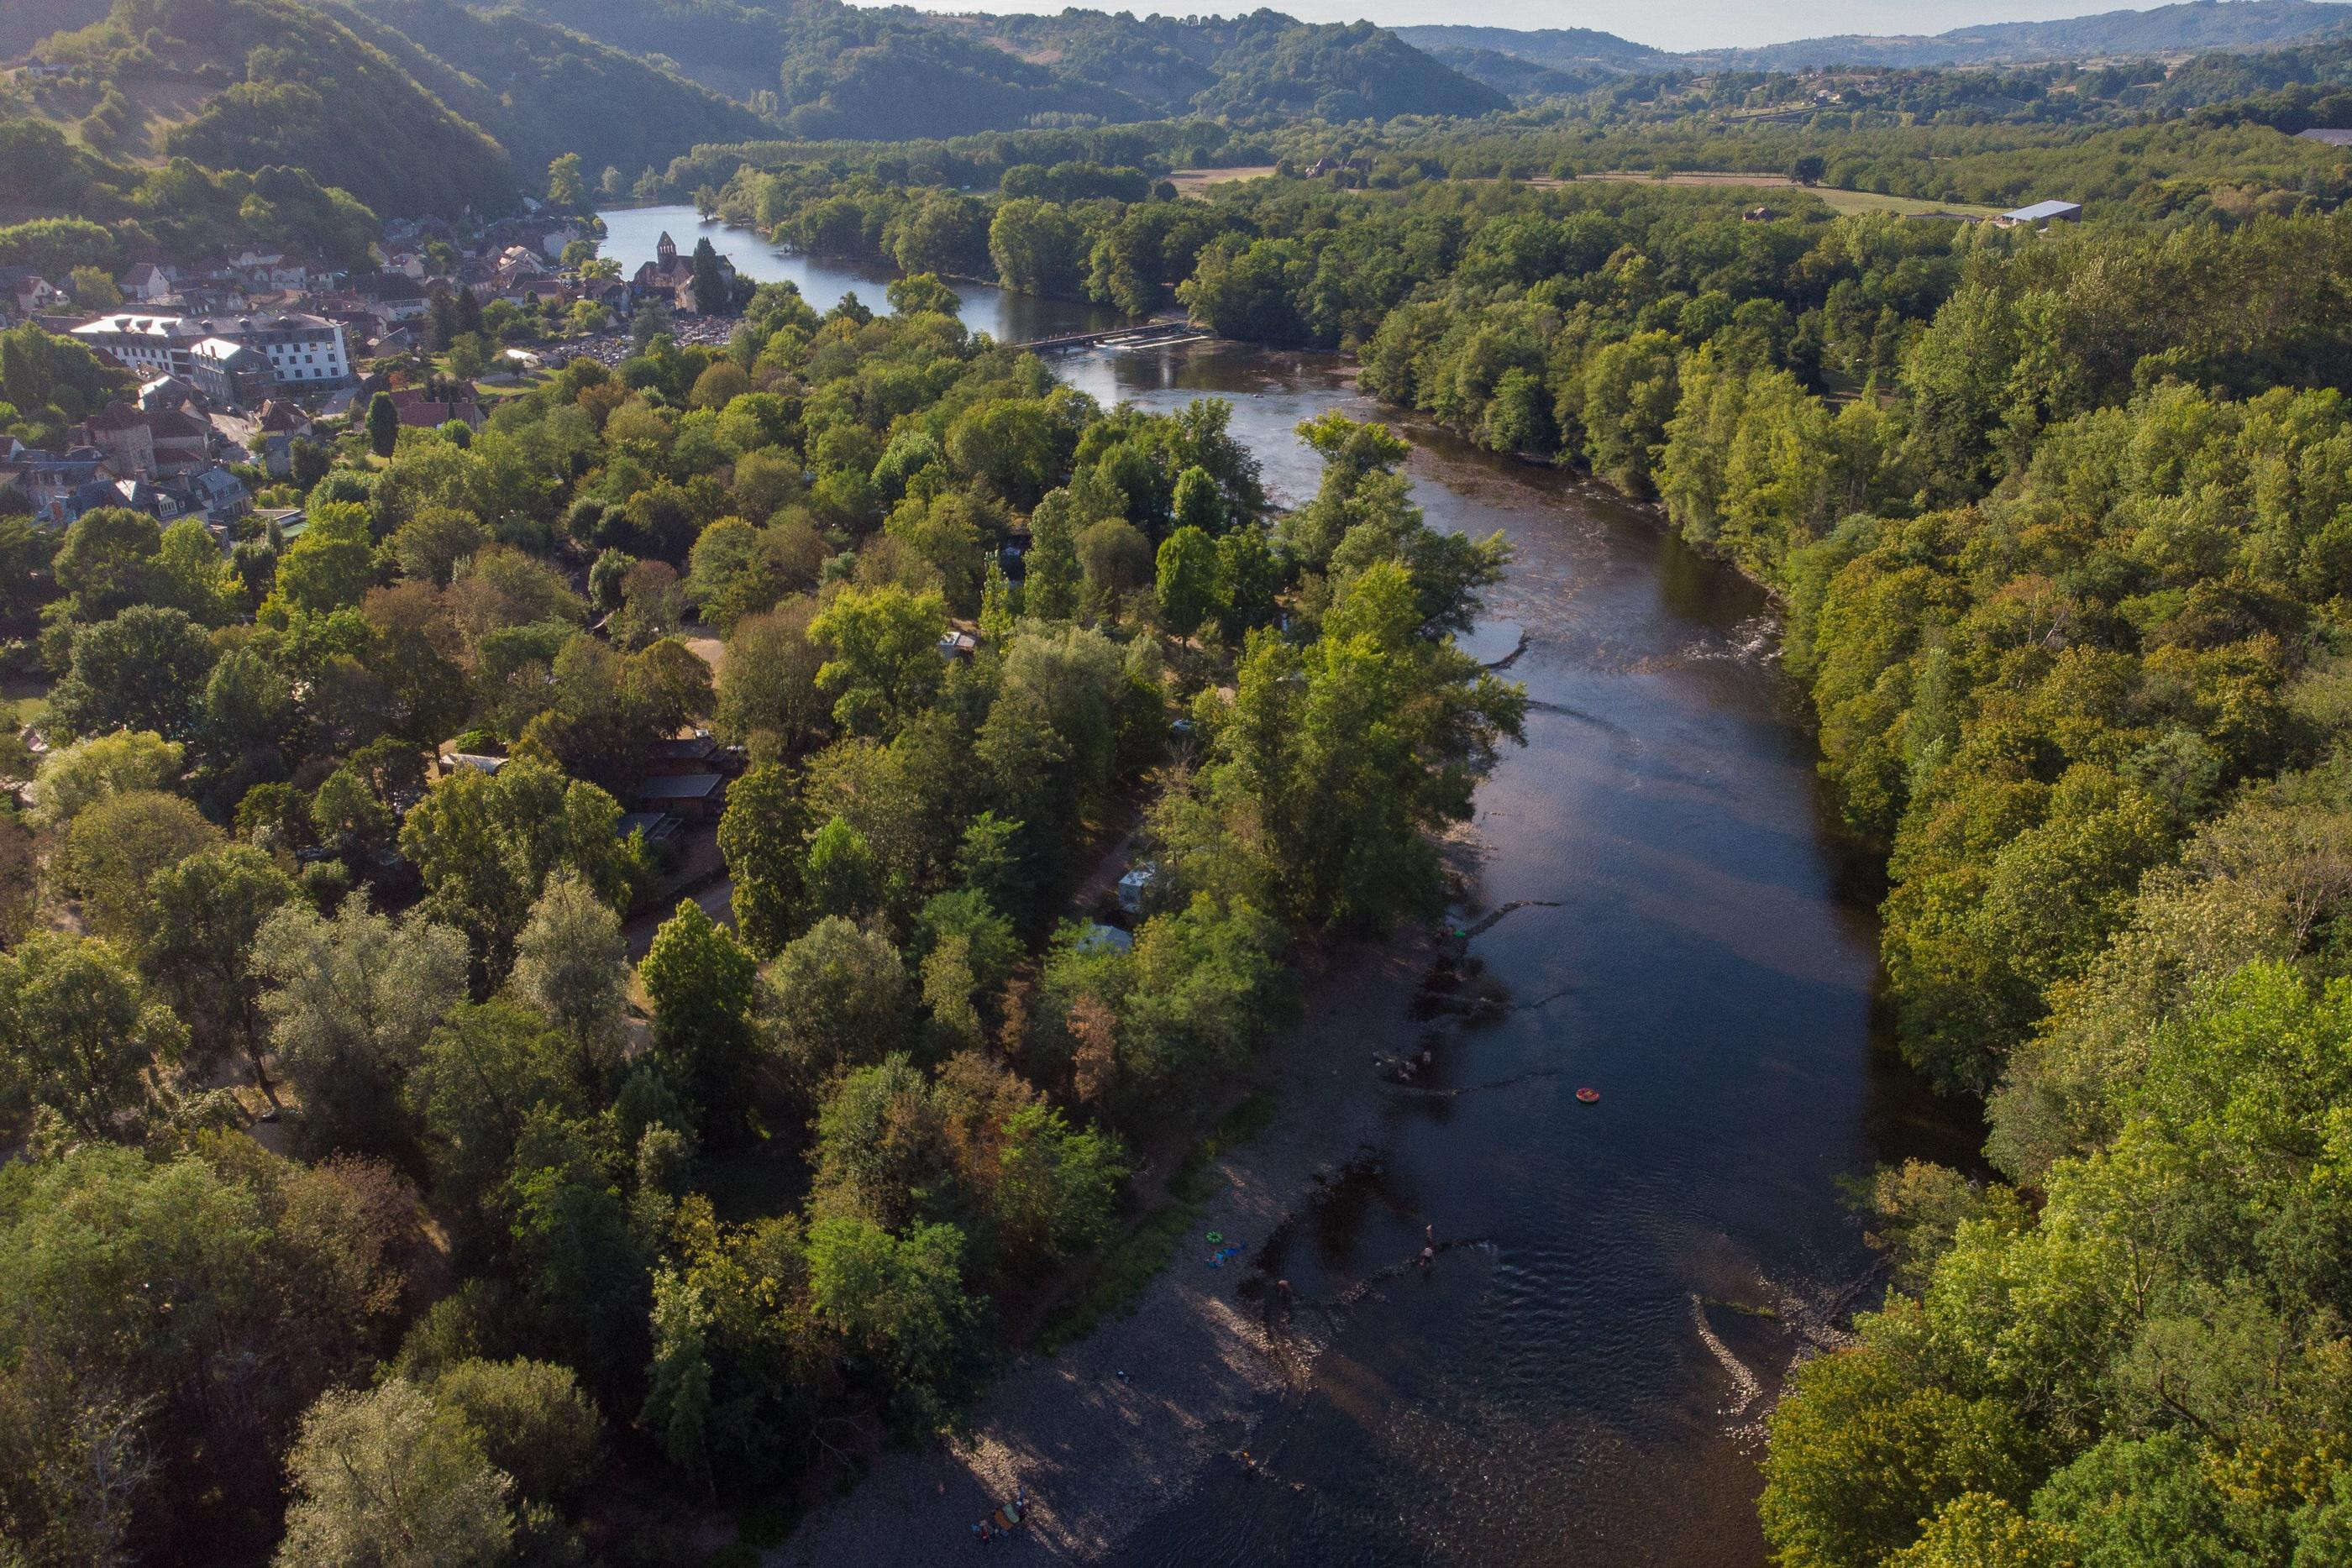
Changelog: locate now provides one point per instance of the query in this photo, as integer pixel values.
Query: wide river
(1584, 1386)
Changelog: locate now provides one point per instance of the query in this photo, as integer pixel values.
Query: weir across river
(1154, 332)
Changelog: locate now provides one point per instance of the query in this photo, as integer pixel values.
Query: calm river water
(632, 232)
(1583, 1386)
(1575, 1390)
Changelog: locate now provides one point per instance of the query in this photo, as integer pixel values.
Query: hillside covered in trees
(256, 84)
(250, 85)
(837, 71)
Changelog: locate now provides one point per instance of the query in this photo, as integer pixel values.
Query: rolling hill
(890, 73)
(2193, 28)
(2197, 26)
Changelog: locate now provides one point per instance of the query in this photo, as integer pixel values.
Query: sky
(1662, 24)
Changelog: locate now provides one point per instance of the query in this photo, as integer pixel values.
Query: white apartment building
(304, 351)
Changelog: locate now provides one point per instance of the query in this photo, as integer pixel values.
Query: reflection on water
(1576, 1389)
(632, 232)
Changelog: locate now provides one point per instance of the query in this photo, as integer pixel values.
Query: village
(249, 366)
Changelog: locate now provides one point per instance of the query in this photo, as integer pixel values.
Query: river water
(1583, 1385)
(1580, 1380)
(633, 233)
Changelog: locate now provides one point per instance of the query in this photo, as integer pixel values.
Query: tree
(79, 1037)
(200, 923)
(762, 835)
(1198, 502)
(701, 983)
(353, 1001)
(168, 1319)
(566, 188)
(145, 669)
(1862, 1451)
(1038, 248)
(479, 1079)
(388, 1478)
(836, 996)
(885, 664)
(840, 875)
(767, 686)
(1978, 1531)
(1808, 167)
(678, 1399)
(1115, 560)
(72, 778)
(923, 291)
(570, 963)
(382, 425)
(532, 1419)
(898, 1302)
(1188, 579)
(487, 845)
(114, 848)
(1050, 589)
(432, 543)
(107, 562)
(332, 565)
(711, 292)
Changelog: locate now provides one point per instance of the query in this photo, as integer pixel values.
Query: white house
(146, 283)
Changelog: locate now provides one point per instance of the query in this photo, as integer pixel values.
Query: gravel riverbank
(1099, 1456)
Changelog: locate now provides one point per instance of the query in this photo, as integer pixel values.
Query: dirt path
(1099, 1454)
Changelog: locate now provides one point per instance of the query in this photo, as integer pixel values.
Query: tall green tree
(80, 1038)
(389, 1477)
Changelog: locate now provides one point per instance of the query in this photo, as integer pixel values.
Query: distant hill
(1262, 65)
(543, 91)
(1515, 76)
(2196, 28)
(1562, 49)
(892, 73)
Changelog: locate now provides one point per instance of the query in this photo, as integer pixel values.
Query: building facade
(302, 351)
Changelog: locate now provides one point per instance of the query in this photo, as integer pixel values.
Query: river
(1583, 1382)
(631, 235)
(1694, 946)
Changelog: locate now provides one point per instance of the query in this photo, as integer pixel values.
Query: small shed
(1135, 887)
(958, 645)
(1100, 938)
(694, 796)
(2043, 213)
(695, 753)
(659, 827)
(479, 761)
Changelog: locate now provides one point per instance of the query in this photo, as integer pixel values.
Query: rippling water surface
(1580, 1385)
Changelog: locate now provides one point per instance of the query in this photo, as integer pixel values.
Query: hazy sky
(1666, 24)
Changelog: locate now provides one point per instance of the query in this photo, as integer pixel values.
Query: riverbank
(1100, 1455)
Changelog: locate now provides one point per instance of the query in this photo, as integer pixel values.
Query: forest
(534, 1240)
(375, 1184)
